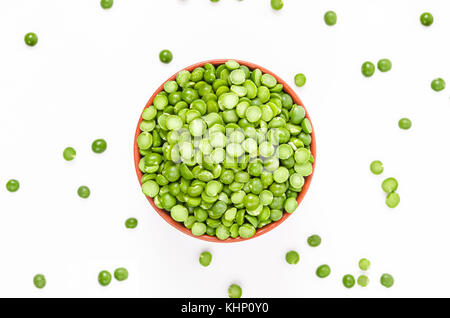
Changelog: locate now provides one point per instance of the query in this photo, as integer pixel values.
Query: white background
(93, 71)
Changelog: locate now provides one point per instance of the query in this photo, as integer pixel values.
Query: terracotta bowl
(262, 230)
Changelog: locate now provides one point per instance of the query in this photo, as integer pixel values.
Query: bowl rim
(166, 216)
